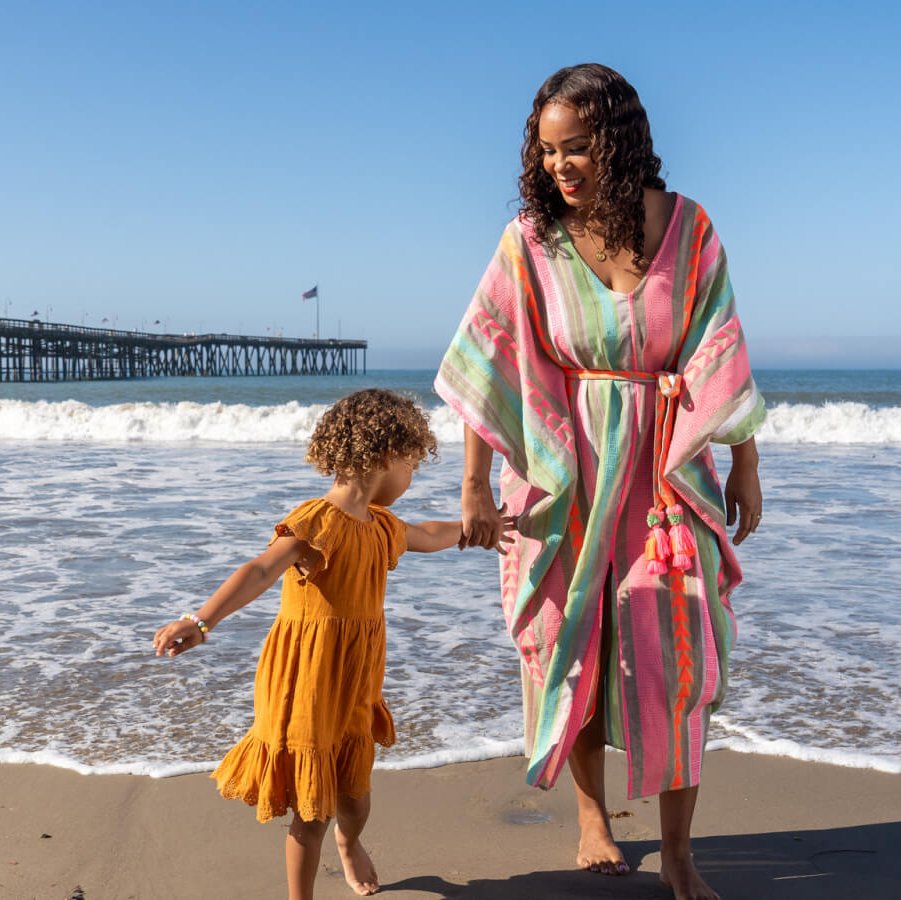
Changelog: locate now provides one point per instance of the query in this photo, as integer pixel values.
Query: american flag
(311, 293)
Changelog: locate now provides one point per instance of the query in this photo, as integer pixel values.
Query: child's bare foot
(359, 872)
(678, 872)
(598, 851)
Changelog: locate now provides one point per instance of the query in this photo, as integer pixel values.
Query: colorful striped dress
(559, 374)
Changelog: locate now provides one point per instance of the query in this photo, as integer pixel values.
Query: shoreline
(783, 748)
(765, 826)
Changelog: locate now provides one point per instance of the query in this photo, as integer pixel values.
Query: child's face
(394, 480)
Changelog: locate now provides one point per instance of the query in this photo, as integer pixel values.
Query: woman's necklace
(599, 254)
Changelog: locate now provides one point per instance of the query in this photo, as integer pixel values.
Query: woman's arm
(482, 522)
(243, 586)
(743, 490)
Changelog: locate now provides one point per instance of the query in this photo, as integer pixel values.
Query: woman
(600, 356)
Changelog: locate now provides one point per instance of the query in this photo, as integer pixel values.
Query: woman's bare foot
(359, 872)
(598, 851)
(678, 872)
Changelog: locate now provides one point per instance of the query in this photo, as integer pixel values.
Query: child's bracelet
(204, 628)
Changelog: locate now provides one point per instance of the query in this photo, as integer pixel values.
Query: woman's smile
(570, 185)
(566, 145)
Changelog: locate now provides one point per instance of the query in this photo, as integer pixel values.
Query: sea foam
(848, 759)
(479, 752)
(224, 423)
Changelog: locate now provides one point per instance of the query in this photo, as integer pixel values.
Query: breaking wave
(70, 420)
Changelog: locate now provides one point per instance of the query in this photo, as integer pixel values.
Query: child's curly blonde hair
(365, 431)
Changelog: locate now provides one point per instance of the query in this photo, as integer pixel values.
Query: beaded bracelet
(204, 628)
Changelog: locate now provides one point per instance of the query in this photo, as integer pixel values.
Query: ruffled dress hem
(279, 779)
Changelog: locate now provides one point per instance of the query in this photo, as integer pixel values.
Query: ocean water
(125, 504)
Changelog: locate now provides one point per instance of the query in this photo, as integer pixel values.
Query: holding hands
(484, 524)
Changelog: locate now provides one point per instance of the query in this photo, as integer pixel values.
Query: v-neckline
(674, 215)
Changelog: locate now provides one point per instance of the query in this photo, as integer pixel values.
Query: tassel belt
(662, 550)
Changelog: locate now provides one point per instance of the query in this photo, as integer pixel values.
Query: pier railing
(45, 351)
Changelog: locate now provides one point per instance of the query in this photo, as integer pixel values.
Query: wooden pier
(44, 351)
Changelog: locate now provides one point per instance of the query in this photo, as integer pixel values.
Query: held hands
(484, 524)
(743, 491)
(176, 637)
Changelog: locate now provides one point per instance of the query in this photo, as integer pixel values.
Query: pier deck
(45, 351)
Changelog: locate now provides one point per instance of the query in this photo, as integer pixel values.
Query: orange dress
(318, 706)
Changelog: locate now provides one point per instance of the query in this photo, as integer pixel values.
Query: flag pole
(313, 294)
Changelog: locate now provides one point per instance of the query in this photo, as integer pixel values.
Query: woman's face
(566, 144)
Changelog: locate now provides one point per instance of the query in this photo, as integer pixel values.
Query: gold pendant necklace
(599, 254)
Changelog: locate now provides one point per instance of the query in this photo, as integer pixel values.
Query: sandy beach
(766, 827)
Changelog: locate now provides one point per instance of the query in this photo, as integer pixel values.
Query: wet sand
(765, 827)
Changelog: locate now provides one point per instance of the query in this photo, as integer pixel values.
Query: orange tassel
(657, 546)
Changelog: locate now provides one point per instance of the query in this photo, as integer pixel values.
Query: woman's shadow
(790, 865)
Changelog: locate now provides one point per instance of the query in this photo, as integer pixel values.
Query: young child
(318, 692)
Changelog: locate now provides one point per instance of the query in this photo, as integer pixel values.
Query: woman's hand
(176, 637)
(483, 523)
(743, 491)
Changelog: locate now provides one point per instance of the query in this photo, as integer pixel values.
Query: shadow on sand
(863, 861)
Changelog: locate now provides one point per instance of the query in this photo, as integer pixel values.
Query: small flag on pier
(311, 293)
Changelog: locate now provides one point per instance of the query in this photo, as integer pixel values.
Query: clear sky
(204, 163)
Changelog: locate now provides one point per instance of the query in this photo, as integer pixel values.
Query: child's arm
(427, 537)
(243, 586)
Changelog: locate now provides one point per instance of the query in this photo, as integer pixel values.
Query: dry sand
(765, 827)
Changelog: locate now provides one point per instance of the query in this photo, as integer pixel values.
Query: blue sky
(205, 163)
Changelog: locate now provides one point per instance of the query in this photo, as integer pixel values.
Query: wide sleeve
(393, 531)
(719, 400)
(500, 379)
(316, 523)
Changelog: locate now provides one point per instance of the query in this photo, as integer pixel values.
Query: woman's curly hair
(365, 431)
(622, 150)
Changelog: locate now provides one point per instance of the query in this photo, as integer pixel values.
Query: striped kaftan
(578, 474)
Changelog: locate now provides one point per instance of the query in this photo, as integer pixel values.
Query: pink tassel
(657, 545)
(661, 543)
(681, 539)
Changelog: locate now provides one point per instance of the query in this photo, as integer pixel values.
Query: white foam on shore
(135, 767)
(743, 740)
(237, 423)
(483, 750)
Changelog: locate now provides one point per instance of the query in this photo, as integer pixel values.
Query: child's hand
(508, 524)
(176, 637)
